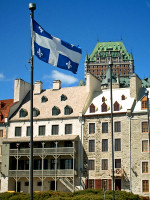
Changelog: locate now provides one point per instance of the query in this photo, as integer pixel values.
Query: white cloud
(2, 76)
(66, 79)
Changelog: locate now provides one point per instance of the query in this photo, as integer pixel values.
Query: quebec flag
(55, 51)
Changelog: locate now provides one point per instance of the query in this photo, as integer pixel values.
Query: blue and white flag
(55, 51)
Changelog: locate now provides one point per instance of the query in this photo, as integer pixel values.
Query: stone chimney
(135, 86)
(38, 86)
(56, 85)
(21, 88)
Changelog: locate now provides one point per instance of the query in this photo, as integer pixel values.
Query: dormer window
(103, 99)
(63, 97)
(122, 97)
(35, 112)
(104, 107)
(68, 110)
(116, 106)
(92, 108)
(55, 110)
(22, 113)
(44, 99)
(144, 103)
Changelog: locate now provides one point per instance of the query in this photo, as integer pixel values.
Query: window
(104, 145)
(55, 129)
(41, 130)
(35, 112)
(145, 185)
(91, 145)
(17, 131)
(68, 144)
(91, 164)
(39, 183)
(122, 97)
(92, 108)
(116, 106)
(117, 144)
(68, 110)
(22, 113)
(144, 167)
(144, 127)
(104, 184)
(117, 126)
(91, 183)
(28, 131)
(104, 164)
(1, 133)
(37, 164)
(63, 97)
(144, 103)
(103, 99)
(104, 107)
(104, 127)
(52, 163)
(44, 99)
(68, 129)
(26, 183)
(145, 146)
(55, 110)
(91, 128)
(117, 163)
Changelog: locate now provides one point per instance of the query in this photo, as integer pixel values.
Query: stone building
(131, 139)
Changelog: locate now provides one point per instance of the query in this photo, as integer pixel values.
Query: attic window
(55, 110)
(35, 112)
(116, 106)
(104, 107)
(123, 97)
(103, 99)
(92, 108)
(44, 99)
(22, 113)
(144, 103)
(63, 97)
(68, 110)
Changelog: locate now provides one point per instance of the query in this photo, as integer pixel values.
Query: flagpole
(32, 7)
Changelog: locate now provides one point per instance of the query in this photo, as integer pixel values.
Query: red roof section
(4, 108)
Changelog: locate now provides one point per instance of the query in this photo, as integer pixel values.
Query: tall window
(104, 145)
(104, 107)
(105, 127)
(28, 131)
(105, 184)
(68, 129)
(144, 103)
(17, 131)
(91, 183)
(116, 106)
(91, 145)
(92, 108)
(117, 163)
(41, 130)
(91, 164)
(144, 127)
(104, 164)
(117, 126)
(91, 128)
(144, 167)
(55, 129)
(145, 185)
(117, 144)
(145, 146)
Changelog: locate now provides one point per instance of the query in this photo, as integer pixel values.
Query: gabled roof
(4, 108)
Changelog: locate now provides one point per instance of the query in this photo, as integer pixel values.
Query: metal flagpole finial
(32, 6)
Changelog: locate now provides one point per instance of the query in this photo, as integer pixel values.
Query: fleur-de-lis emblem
(69, 64)
(41, 30)
(39, 52)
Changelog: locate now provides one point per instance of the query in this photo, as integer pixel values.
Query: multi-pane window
(145, 167)
(118, 126)
(55, 129)
(22, 113)
(104, 145)
(117, 144)
(144, 127)
(91, 145)
(41, 130)
(104, 164)
(91, 128)
(91, 164)
(144, 103)
(105, 127)
(117, 163)
(145, 146)
(116, 106)
(17, 131)
(68, 129)
(92, 108)
(28, 131)
(145, 185)
(104, 107)
(91, 183)
(104, 184)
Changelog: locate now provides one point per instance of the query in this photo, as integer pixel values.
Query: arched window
(55, 110)
(116, 106)
(68, 110)
(122, 97)
(104, 107)
(92, 108)
(36, 112)
(44, 99)
(22, 113)
(63, 97)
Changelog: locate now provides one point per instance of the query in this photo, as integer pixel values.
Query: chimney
(135, 86)
(56, 85)
(38, 86)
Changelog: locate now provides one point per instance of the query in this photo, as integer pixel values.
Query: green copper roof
(106, 79)
(116, 48)
(146, 82)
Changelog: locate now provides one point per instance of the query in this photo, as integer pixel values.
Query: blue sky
(79, 22)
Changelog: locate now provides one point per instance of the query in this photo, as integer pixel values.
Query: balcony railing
(44, 151)
(46, 173)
